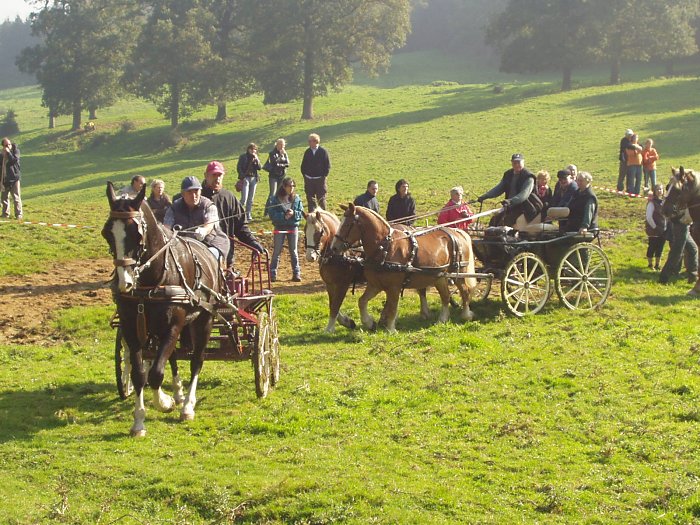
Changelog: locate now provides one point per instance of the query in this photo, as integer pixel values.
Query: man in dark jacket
(231, 211)
(518, 184)
(198, 217)
(622, 173)
(10, 178)
(315, 167)
(583, 214)
(369, 198)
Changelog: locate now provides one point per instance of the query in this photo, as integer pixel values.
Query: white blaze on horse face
(124, 274)
(310, 232)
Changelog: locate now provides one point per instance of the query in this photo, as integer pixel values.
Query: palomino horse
(397, 259)
(684, 195)
(162, 284)
(337, 271)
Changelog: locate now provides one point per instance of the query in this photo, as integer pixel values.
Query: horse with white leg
(397, 259)
(162, 284)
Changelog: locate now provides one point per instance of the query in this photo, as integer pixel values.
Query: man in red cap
(231, 211)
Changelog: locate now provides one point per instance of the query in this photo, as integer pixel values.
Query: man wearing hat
(565, 189)
(198, 218)
(518, 184)
(231, 212)
(622, 173)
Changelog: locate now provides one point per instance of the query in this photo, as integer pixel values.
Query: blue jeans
(274, 185)
(634, 179)
(650, 179)
(248, 194)
(292, 240)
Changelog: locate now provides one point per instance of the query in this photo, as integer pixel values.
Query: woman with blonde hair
(158, 200)
(276, 165)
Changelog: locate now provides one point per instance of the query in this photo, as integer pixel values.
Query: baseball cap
(629, 132)
(215, 167)
(517, 156)
(563, 174)
(190, 183)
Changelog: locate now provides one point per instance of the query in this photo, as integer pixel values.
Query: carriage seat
(558, 213)
(539, 227)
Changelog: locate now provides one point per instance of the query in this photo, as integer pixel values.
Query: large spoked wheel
(261, 355)
(525, 285)
(122, 367)
(274, 350)
(584, 277)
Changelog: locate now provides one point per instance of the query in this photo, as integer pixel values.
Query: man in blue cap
(198, 218)
(518, 184)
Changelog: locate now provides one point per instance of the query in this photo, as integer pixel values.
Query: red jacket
(454, 214)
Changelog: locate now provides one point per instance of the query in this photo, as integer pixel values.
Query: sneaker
(296, 278)
(20, 217)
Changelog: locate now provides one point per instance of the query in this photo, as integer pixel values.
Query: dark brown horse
(684, 196)
(158, 291)
(398, 259)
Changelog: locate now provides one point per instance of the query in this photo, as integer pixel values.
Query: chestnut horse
(684, 195)
(398, 259)
(161, 285)
(337, 271)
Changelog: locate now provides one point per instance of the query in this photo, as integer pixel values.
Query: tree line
(184, 54)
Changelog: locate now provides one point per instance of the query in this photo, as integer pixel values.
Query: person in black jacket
(276, 165)
(248, 167)
(518, 184)
(369, 198)
(315, 167)
(583, 208)
(401, 205)
(231, 211)
(10, 178)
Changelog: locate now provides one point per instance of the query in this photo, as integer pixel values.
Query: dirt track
(29, 303)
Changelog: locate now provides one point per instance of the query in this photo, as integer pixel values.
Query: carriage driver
(518, 184)
(199, 213)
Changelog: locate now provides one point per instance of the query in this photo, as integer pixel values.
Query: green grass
(565, 417)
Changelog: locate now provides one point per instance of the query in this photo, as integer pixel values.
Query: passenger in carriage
(583, 208)
(455, 210)
(198, 218)
(232, 214)
(564, 189)
(401, 205)
(133, 189)
(518, 184)
(544, 192)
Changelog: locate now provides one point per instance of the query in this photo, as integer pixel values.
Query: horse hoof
(694, 293)
(187, 416)
(352, 325)
(138, 433)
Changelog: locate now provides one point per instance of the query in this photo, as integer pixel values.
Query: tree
(79, 62)
(310, 45)
(673, 34)
(172, 57)
(542, 35)
(231, 70)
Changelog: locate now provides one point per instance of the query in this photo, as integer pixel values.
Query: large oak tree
(309, 46)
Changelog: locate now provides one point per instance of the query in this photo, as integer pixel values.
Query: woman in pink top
(455, 210)
(649, 158)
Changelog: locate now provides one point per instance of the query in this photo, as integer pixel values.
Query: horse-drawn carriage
(532, 265)
(245, 328)
(174, 302)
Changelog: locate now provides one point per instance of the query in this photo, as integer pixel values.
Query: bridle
(345, 245)
(318, 235)
(142, 228)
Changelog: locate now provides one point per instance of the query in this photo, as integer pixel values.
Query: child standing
(286, 211)
(649, 158)
(655, 226)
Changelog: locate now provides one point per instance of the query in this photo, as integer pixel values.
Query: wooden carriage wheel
(584, 277)
(261, 355)
(122, 367)
(274, 349)
(525, 287)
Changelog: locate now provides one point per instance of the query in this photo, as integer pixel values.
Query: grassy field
(565, 417)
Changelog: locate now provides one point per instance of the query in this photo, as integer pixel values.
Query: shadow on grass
(28, 412)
